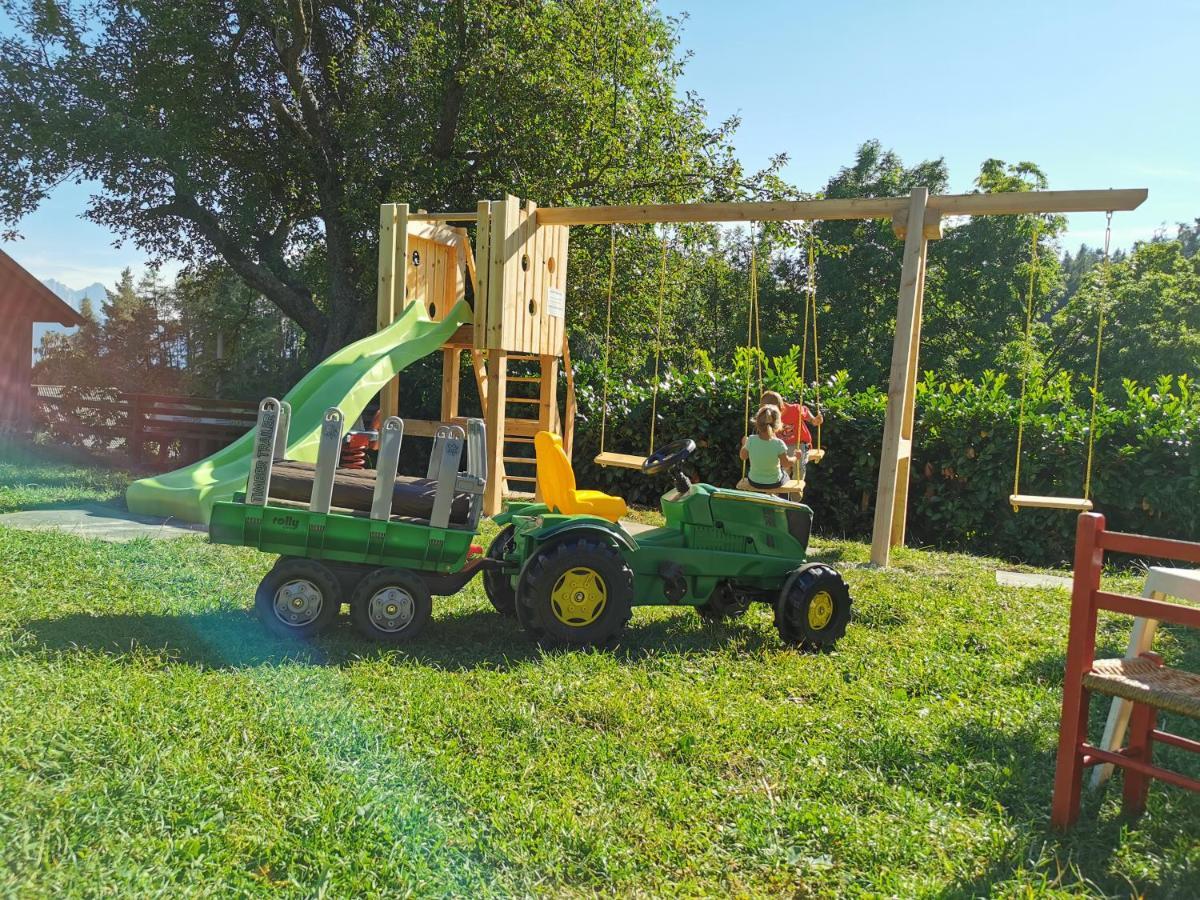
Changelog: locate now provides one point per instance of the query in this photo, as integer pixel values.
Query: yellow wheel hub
(820, 610)
(579, 597)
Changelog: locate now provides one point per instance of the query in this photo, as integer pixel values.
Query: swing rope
(625, 460)
(612, 275)
(753, 335)
(1085, 503)
(662, 293)
(1106, 275)
(1027, 352)
(810, 309)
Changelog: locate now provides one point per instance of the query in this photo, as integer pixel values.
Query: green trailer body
(293, 531)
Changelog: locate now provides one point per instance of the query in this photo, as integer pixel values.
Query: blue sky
(1099, 94)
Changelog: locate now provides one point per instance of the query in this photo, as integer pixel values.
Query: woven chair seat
(1143, 681)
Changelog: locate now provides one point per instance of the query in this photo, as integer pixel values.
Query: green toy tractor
(573, 579)
(386, 544)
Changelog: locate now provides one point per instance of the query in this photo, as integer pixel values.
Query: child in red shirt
(793, 430)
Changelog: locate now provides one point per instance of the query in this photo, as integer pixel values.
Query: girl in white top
(768, 455)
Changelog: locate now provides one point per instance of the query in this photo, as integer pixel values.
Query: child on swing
(793, 430)
(767, 454)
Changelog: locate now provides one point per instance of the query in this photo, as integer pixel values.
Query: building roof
(24, 297)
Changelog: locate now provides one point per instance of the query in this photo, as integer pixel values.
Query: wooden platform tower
(517, 272)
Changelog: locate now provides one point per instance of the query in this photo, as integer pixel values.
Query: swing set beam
(891, 496)
(1000, 204)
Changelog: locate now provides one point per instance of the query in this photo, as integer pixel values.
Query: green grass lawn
(153, 739)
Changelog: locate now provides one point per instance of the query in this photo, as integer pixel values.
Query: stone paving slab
(1032, 580)
(105, 523)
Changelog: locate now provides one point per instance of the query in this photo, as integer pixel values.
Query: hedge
(1145, 476)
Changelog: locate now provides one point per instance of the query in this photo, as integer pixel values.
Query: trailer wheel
(575, 592)
(496, 584)
(813, 608)
(391, 606)
(298, 598)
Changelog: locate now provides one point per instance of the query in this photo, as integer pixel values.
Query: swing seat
(619, 460)
(814, 456)
(791, 486)
(1034, 501)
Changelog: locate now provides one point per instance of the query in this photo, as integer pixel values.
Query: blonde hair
(771, 398)
(766, 420)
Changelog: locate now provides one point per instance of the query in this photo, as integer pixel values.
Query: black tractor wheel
(724, 603)
(813, 608)
(391, 606)
(577, 592)
(298, 598)
(496, 584)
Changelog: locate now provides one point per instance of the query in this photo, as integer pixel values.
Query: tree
(268, 134)
(1151, 302)
(979, 282)
(135, 349)
(858, 272)
(1189, 238)
(238, 345)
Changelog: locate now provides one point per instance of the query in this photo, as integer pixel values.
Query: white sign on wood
(556, 302)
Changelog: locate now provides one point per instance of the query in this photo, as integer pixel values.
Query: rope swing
(628, 460)
(1084, 503)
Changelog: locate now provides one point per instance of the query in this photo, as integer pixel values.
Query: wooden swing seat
(815, 456)
(788, 487)
(619, 460)
(1079, 504)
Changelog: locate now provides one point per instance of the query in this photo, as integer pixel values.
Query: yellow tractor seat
(557, 481)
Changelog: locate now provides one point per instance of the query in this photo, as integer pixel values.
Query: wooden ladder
(530, 406)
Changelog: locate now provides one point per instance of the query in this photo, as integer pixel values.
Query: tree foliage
(268, 134)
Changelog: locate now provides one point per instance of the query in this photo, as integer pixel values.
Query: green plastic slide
(348, 379)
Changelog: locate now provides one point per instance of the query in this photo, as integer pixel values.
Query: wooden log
(1006, 203)
(890, 499)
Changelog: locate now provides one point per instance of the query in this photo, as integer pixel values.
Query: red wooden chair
(1144, 680)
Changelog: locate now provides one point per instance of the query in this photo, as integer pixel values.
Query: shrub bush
(1145, 476)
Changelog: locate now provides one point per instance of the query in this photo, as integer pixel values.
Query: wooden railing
(158, 430)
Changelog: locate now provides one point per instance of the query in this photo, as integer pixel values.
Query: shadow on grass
(1016, 771)
(991, 767)
(234, 639)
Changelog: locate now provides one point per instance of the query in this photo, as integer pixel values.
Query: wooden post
(393, 264)
(451, 363)
(497, 391)
(891, 496)
(568, 425)
(548, 417)
(133, 413)
(482, 274)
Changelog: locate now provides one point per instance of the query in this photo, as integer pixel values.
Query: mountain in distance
(74, 298)
(94, 292)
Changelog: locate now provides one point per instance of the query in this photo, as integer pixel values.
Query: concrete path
(105, 523)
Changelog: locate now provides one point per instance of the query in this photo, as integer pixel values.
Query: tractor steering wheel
(669, 457)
